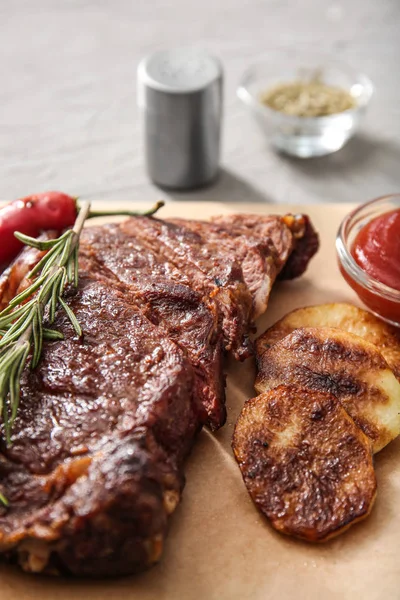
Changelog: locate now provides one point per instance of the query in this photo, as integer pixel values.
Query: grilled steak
(261, 245)
(105, 421)
(111, 256)
(293, 237)
(176, 307)
(211, 271)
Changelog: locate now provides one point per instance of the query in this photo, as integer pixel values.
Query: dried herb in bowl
(312, 98)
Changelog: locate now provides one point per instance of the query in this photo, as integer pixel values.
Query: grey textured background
(68, 116)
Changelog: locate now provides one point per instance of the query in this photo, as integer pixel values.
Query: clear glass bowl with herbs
(311, 108)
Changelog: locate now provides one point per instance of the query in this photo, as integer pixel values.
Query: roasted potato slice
(343, 316)
(305, 463)
(330, 360)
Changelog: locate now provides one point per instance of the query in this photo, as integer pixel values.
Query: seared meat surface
(95, 466)
(212, 272)
(96, 462)
(293, 237)
(261, 245)
(154, 288)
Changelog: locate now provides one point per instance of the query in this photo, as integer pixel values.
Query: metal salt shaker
(180, 92)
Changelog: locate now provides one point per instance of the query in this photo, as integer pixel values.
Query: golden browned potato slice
(305, 463)
(330, 360)
(343, 316)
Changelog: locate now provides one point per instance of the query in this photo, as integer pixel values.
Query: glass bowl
(305, 137)
(381, 299)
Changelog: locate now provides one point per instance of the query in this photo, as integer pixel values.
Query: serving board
(219, 546)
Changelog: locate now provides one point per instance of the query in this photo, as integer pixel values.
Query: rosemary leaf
(54, 259)
(55, 293)
(70, 270)
(17, 329)
(27, 293)
(14, 387)
(66, 250)
(11, 367)
(47, 259)
(27, 240)
(35, 243)
(6, 363)
(3, 499)
(52, 335)
(3, 390)
(37, 337)
(71, 317)
(7, 317)
(46, 289)
(15, 384)
(63, 282)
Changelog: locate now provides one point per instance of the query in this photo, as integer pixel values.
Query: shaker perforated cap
(180, 92)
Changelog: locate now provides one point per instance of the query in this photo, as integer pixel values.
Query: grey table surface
(68, 114)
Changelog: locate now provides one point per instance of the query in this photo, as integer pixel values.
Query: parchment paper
(219, 546)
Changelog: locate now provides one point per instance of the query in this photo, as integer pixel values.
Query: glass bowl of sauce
(368, 249)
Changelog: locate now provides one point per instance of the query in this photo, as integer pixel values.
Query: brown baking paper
(219, 546)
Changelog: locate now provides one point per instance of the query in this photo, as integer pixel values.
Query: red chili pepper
(32, 215)
(41, 212)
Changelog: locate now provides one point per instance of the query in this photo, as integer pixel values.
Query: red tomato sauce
(376, 248)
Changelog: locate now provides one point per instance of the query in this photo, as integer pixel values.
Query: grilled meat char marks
(215, 274)
(293, 237)
(151, 285)
(260, 251)
(106, 421)
(115, 408)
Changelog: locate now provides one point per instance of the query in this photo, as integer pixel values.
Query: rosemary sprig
(21, 323)
(127, 213)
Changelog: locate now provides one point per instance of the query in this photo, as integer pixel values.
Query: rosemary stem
(82, 216)
(126, 213)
